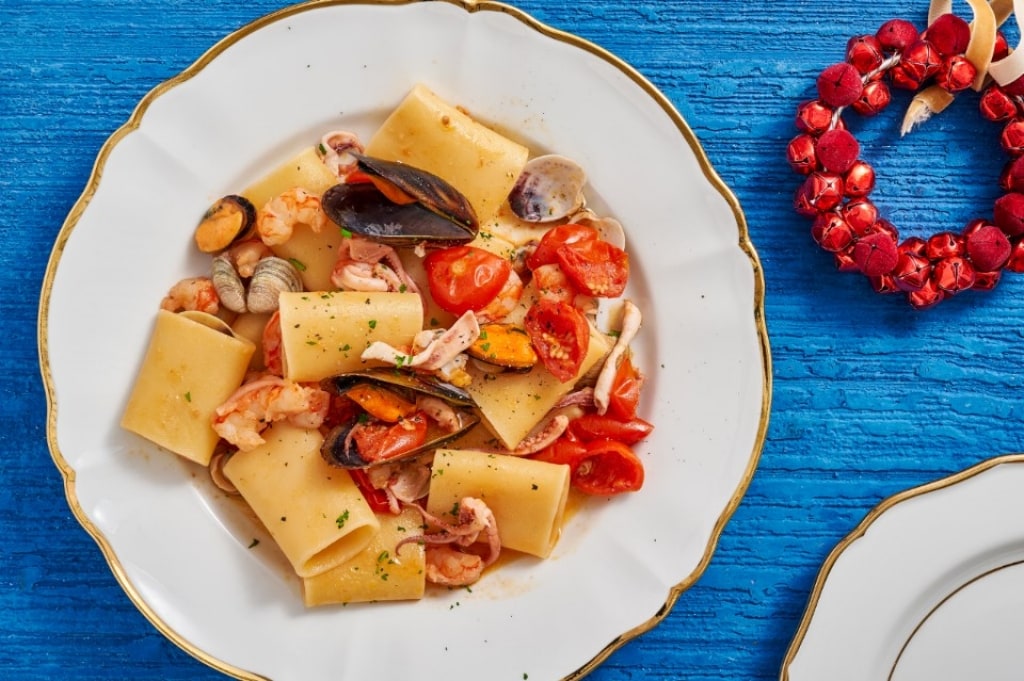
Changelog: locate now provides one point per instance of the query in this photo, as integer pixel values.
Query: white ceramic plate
(253, 100)
(929, 586)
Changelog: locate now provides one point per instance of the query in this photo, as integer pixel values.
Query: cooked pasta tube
(324, 333)
(428, 133)
(527, 497)
(378, 572)
(315, 513)
(189, 369)
(513, 404)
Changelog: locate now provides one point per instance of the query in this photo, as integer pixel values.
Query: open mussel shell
(425, 188)
(403, 206)
(402, 382)
(231, 219)
(341, 450)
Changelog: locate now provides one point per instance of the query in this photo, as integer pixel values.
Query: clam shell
(549, 188)
(271, 277)
(228, 284)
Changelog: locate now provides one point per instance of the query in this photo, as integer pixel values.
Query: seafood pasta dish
(406, 352)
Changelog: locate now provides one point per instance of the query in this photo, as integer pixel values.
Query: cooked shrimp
(196, 293)
(552, 284)
(273, 360)
(503, 303)
(276, 221)
(245, 254)
(257, 404)
(336, 149)
(449, 566)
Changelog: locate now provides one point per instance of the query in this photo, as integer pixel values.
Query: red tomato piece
(377, 499)
(625, 393)
(464, 278)
(555, 238)
(595, 267)
(590, 427)
(608, 468)
(379, 441)
(563, 450)
(560, 335)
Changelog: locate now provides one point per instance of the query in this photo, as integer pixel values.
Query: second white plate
(929, 586)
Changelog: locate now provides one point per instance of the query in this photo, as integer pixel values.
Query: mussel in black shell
(398, 416)
(401, 206)
(230, 219)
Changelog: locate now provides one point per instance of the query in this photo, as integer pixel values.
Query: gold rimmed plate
(930, 585)
(186, 558)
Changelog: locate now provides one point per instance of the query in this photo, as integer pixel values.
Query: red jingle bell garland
(837, 185)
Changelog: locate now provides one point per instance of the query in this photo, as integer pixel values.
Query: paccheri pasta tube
(189, 369)
(428, 133)
(527, 497)
(315, 513)
(324, 333)
(378, 572)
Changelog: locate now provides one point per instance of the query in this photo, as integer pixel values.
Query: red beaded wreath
(837, 184)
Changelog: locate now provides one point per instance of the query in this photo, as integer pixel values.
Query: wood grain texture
(870, 397)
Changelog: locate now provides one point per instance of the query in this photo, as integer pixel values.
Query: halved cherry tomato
(595, 267)
(591, 426)
(377, 499)
(602, 467)
(379, 441)
(555, 238)
(560, 335)
(464, 278)
(608, 468)
(625, 393)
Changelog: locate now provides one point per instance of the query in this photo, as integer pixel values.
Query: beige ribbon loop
(1010, 68)
(934, 99)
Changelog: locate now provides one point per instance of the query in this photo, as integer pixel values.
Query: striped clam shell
(228, 284)
(272, 276)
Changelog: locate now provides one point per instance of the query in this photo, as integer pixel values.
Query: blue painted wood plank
(870, 397)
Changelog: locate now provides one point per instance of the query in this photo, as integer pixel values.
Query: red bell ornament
(801, 154)
(953, 275)
(997, 106)
(861, 214)
(944, 245)
(831, 232)
(1012, 139)
(1015, 263)
(824, 191)
(875, 254)
(956, 73)
(837, 150)
(883, 284)
(988, 248)
(859, 180)
(927, 296)
(1012, 177)
(897, 34)
(814, 117)
(845, 262)
(915, 245)
(986, 281)
(1008, 213)
(865, 52)
(875, 96)
(949, 34)
(912, 271)
(922, 60)
(840, 85)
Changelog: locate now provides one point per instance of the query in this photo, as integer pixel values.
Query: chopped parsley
(342, 519)
(297, 264)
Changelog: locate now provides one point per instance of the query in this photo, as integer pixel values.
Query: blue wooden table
(870, 396)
